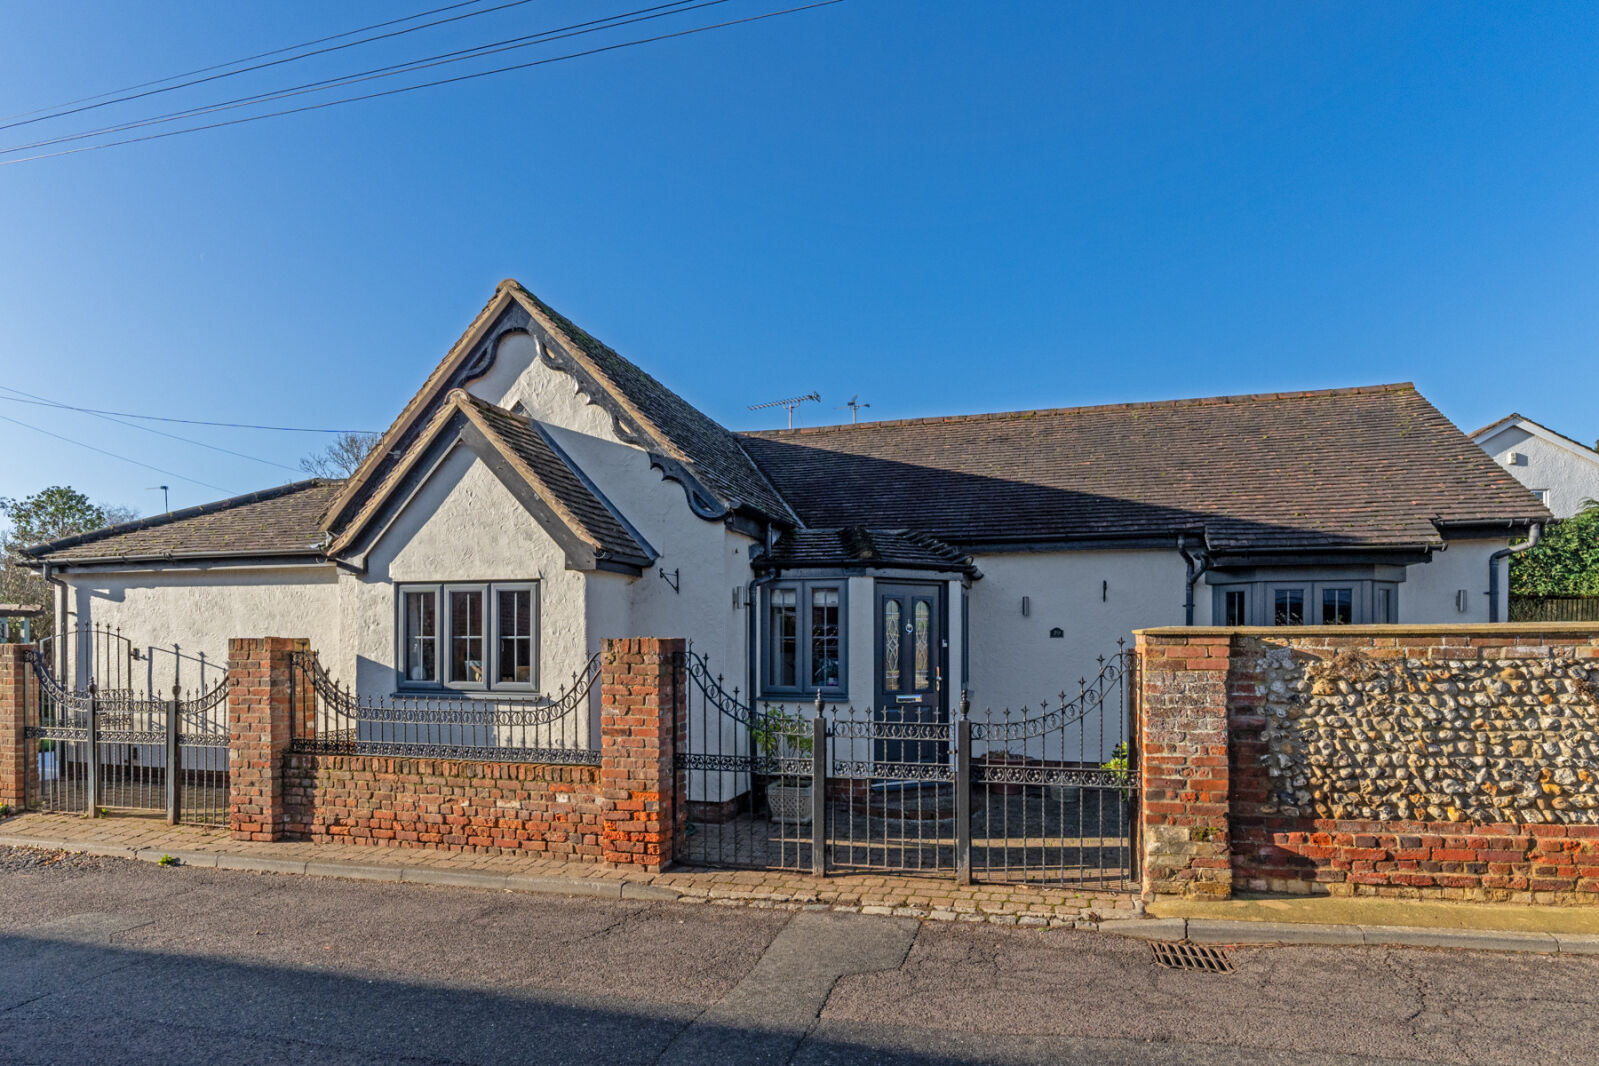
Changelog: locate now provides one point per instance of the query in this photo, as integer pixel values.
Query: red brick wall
(1182, 698)
(259, 677)
(1197, 813)
(452, 805)
(643, 697)
(13, 751)
(622, 811)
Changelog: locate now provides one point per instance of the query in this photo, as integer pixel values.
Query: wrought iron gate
(1041, 795)
(95, 750)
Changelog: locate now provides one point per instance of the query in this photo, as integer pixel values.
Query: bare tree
(341, 458)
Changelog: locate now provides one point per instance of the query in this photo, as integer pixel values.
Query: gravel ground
(15, 860)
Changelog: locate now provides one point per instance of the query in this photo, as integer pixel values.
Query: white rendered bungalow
(541, 493)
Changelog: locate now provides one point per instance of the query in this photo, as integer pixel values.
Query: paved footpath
(934, 898)
(106, 960)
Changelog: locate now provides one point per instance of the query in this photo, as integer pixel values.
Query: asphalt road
(110, 961)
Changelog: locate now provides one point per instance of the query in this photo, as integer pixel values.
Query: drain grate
(1181, 955)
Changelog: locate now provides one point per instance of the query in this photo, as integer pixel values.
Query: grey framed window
(1235, 607)
(515, 626)
(1383, 598)
(827, 624)
(783, 635)
(1326, 601)
(419, 635)
(1337, 606)
(805, 638)
(466, 654)
(469, 637)
(1288, 607)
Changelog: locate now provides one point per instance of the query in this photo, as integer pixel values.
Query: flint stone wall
(1406, 761)
(1493, 739)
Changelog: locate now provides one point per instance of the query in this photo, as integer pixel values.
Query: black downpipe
(1533, 534)
(1197, 565)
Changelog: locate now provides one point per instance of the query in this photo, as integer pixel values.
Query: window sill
(797, 696)
(440, 692)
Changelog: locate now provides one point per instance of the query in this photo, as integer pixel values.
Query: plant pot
(789, 803)
(1064, 793)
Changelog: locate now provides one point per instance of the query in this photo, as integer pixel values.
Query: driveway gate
(99, 750)
(1041, 795)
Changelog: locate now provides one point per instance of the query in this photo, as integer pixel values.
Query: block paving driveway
(110, 961)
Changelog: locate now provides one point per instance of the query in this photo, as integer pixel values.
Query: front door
(911, 668)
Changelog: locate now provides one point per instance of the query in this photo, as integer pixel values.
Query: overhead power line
(159, 418)
(114, 455)
(146, 429)
(393, 70)
(425, 85)
(260, 66)
(243, 59)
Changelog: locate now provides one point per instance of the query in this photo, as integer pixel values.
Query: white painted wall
(1428, 592)
(1015, 661)
(1570, 474)
(199, 610)
(710, 561)
(463, 525)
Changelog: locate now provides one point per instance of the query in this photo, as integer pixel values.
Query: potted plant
(1119, 771)
(779, 734)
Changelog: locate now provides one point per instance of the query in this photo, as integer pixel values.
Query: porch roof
(859, 547)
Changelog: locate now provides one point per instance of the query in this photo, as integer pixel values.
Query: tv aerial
(854, 406)
(790, 403)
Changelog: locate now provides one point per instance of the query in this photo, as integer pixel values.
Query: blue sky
(942, 207)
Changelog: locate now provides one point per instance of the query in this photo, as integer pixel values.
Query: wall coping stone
(1480, 629)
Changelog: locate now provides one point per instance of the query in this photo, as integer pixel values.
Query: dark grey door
(911, 667)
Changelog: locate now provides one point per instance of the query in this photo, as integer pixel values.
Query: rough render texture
(1392, 761)
(622, 811)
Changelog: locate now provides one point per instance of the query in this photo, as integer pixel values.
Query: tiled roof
(281, 521)
(1363, 467)
(857, 546)
(668, 423)
(560, 483)
(709, 450)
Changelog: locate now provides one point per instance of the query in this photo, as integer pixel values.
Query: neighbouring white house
(1562, 472)
(541, 493)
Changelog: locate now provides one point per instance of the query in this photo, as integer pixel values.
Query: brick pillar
(13, 749)
(642, 699)
(259, 680)
(1182, 710)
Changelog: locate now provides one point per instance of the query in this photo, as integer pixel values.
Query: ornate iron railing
(1042, 793)
(329, 718)
(99, 748)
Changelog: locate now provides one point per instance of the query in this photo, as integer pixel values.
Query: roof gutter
(301, 557)
(1198, 562)
(1533, 534)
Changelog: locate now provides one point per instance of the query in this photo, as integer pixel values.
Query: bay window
(1320, 599)
(470, 637)
(804, 638)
